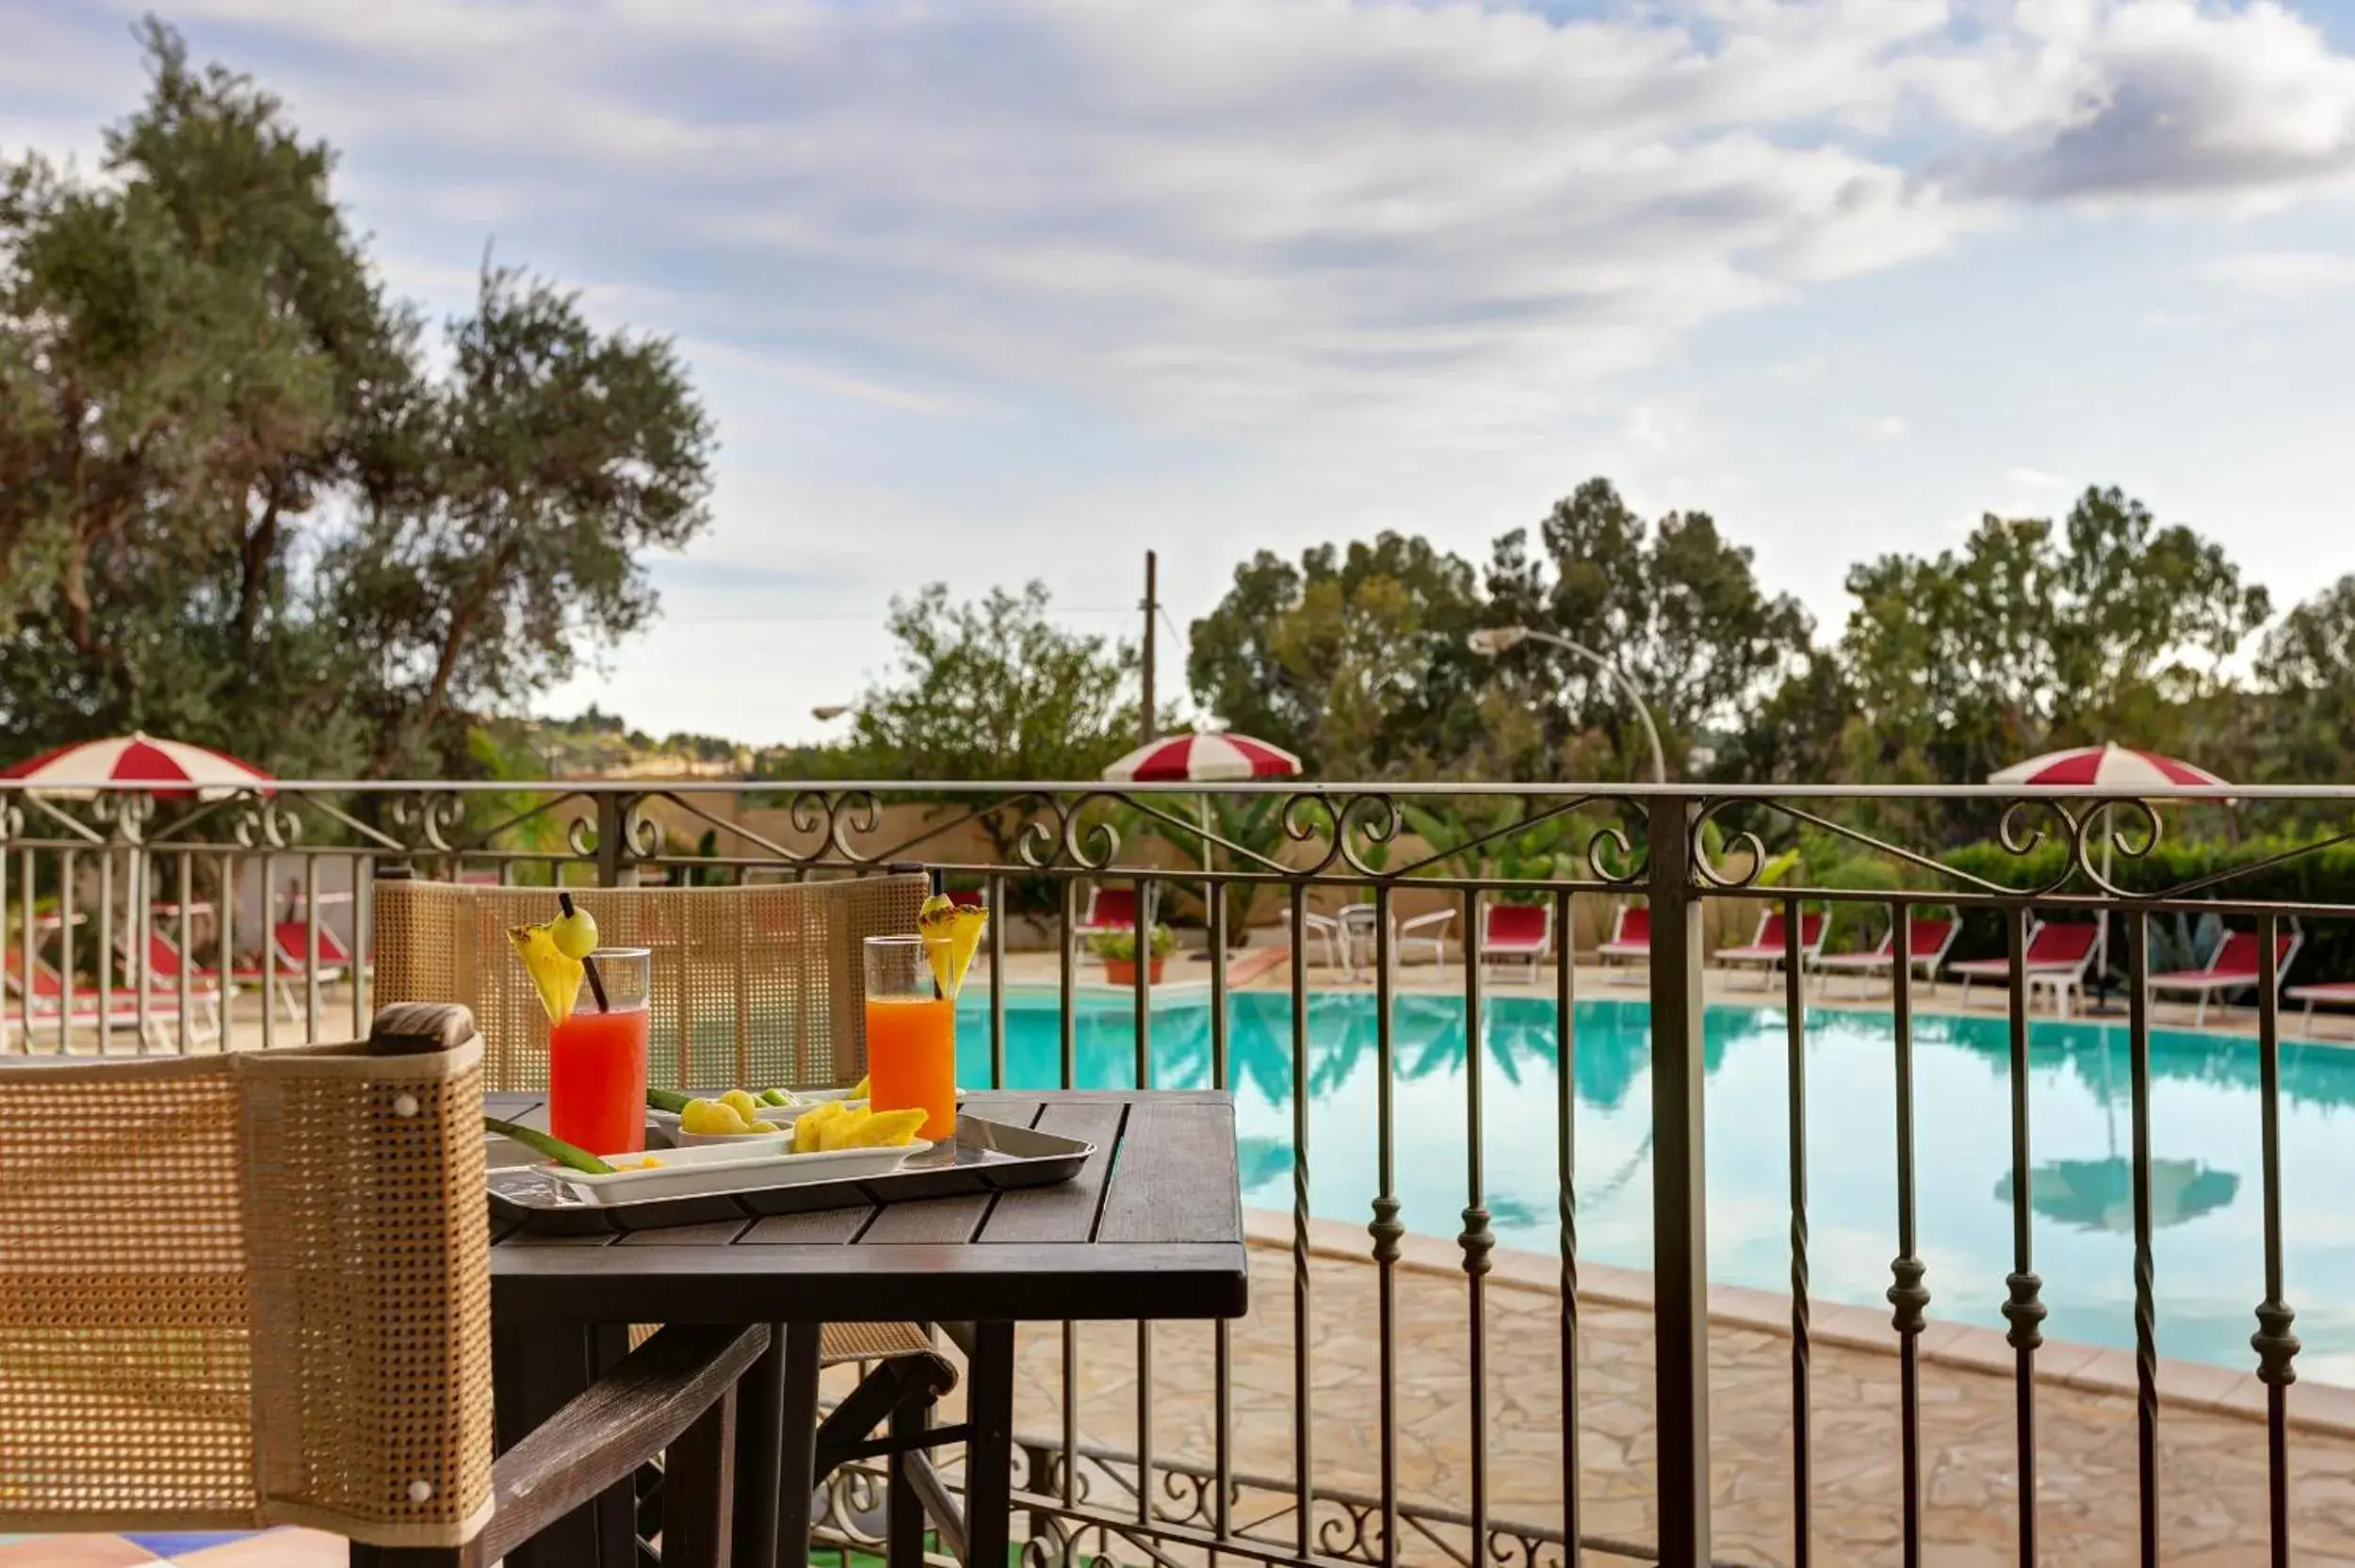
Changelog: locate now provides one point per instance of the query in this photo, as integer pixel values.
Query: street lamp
(1489, 642)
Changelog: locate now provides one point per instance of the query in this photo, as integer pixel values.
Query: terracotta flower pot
(1118, 971)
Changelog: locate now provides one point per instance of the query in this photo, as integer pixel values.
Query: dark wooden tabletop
(1151, 1228)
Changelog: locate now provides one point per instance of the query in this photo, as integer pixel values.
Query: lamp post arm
(1643, 709)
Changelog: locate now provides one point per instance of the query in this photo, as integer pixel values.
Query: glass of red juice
(597, 1058)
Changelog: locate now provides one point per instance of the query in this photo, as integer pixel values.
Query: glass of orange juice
(911, 1034)
(597, 1058)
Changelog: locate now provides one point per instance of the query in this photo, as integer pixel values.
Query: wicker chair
(753, 987)
(253, 1289)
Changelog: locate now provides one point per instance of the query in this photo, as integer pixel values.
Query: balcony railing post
(1679, 1245)
(617, 860)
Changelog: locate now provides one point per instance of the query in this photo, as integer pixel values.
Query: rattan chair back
(247, 1290)
(757, 987)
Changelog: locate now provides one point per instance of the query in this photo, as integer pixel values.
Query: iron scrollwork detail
(1631, 866)
(2019, 837)
(266, 822)
(1352, 1531)
(1330, 819)
(124, 813)
(834, 817)
(2100, 815)
(427, 819)
(1745, 841)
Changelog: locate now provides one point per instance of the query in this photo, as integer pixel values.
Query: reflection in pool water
(2207, 1184)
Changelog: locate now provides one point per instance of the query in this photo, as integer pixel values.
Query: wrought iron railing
(140, 922)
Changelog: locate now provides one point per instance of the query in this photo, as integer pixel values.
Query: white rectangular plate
(739, 1165)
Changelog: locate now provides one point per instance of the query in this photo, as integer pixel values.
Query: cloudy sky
(989, 291)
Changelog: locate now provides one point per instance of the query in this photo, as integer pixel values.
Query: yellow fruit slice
(859, 1091)
(554, 976)
(711, 1117)
(841, 1132)
(762, 1127)
(810, 1127)
(746, 1106)
(952, 934)
(888, 1129)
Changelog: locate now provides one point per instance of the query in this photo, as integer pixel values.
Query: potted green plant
(1118, 949)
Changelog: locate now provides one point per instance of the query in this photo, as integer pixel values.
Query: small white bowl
(809, 1100)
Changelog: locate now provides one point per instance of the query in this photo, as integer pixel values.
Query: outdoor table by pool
(1150, 1229)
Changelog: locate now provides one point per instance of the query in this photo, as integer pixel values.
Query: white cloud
(2035, 479)
(1257, 213)
(2282, 274)
(1650, 431)
(1888, 427)
(2122, 99)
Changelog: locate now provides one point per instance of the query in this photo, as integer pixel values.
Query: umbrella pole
(2102, 939)
(1211, 890)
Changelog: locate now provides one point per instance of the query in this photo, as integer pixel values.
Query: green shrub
(1121, 947)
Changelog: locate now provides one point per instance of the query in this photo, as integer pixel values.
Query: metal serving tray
(984, 1157)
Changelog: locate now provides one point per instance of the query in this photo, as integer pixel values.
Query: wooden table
(1151, 1229)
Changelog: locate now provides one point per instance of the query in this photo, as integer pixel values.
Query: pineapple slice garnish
(553, 973)
(952, 934)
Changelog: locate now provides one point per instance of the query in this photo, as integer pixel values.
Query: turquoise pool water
(2204, 1140)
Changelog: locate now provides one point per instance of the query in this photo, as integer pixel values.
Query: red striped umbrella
(2106, 765)
(2093, 768)
(1203, 758)
(138, 759)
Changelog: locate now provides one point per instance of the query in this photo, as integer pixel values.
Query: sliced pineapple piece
(952, 934)
(556, 976)
(810, 1130)
(886, 1129)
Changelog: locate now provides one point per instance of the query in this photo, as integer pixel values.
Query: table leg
(797, 1446)
(535, 1371)
(759, 1419)
(989, 1453)
(699, 1491)
(904, 1506)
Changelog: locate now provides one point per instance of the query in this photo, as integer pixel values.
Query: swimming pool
(2207, 1182)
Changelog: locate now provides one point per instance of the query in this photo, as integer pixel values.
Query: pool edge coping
(2195, 1385)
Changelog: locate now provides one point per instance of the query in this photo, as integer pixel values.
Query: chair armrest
(1442, 918)
(622, 1420)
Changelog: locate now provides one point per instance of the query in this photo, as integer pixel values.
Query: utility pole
(1152, 611)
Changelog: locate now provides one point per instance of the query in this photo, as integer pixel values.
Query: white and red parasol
(2108, 766)
(1203, 758)
(174, 769)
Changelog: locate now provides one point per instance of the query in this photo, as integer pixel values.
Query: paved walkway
(2212, 1464)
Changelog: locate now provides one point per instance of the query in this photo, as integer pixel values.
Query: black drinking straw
(589, 966)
